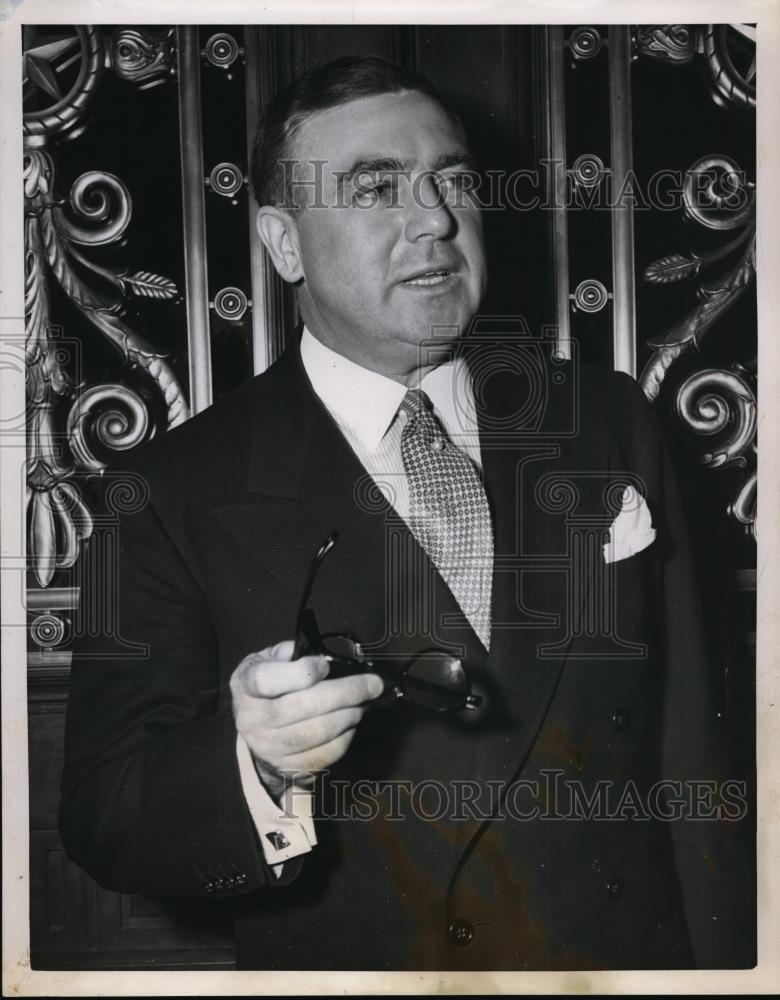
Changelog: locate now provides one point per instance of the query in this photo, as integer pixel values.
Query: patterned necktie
(448, 510)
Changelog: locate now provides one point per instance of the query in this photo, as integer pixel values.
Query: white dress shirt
(364, 405)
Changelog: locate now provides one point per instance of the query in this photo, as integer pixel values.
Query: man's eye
(453, 183)
(370, 192)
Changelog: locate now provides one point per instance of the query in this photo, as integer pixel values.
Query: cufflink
(278, 840)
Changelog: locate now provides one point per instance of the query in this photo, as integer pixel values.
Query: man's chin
(435, 344)
(443, 325)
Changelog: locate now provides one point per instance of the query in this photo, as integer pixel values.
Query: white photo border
(18, 978)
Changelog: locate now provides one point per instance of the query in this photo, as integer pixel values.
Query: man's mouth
(427, 278)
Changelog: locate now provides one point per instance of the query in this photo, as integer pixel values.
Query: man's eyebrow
(458, 158)
(385, 164)
(370, 165)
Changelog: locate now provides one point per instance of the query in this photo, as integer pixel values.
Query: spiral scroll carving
(60, 236)
(713, 402)
(114, 415)
(96, 197)
(709, 402)
(56, 234)
(716, 195)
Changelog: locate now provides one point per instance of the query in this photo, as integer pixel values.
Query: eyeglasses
(431, 679)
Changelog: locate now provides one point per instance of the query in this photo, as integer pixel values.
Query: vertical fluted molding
(555, 142)
(623, 291)
(194, 212)
(267, 291)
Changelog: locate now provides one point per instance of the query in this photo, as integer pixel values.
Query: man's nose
(427, 213)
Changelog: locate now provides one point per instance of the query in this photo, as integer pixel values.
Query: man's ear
(279, 234)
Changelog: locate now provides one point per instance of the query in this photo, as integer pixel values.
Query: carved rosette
(66, 420)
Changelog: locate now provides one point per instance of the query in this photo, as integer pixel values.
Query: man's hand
(293, 719)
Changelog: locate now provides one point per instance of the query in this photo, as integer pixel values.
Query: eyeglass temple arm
(320, 554)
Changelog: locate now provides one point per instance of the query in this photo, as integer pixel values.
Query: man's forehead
(408, 127)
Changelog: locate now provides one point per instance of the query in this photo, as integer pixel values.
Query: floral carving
(142, 57)
(712, 401)
(669, 43)
(59, 236)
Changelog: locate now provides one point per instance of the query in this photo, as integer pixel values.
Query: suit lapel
(304, 481)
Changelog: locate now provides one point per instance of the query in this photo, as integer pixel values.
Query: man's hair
(319, 89)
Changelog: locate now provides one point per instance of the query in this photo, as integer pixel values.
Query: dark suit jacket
(594, 673)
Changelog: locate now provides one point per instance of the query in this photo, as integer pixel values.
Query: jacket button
(615, 889)
(461, 932)
(620, 719)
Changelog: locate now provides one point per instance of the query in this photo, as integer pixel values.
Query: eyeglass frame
(309, 641)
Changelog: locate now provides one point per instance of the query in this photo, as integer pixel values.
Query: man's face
(398, 250)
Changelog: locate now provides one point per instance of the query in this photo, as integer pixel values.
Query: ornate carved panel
(718, 206)
(694, 91)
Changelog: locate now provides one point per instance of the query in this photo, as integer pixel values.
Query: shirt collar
(364, 400)
(367, 402)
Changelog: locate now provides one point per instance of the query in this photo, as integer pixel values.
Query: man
(505, 509)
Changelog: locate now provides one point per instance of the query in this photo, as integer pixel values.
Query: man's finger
(329, 696)
(281, 651)
(317, 732)
(271, 678)
(319, 758)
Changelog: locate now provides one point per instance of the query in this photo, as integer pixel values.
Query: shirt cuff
(285, 830)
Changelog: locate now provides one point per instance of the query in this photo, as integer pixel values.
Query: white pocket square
(632, 530)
